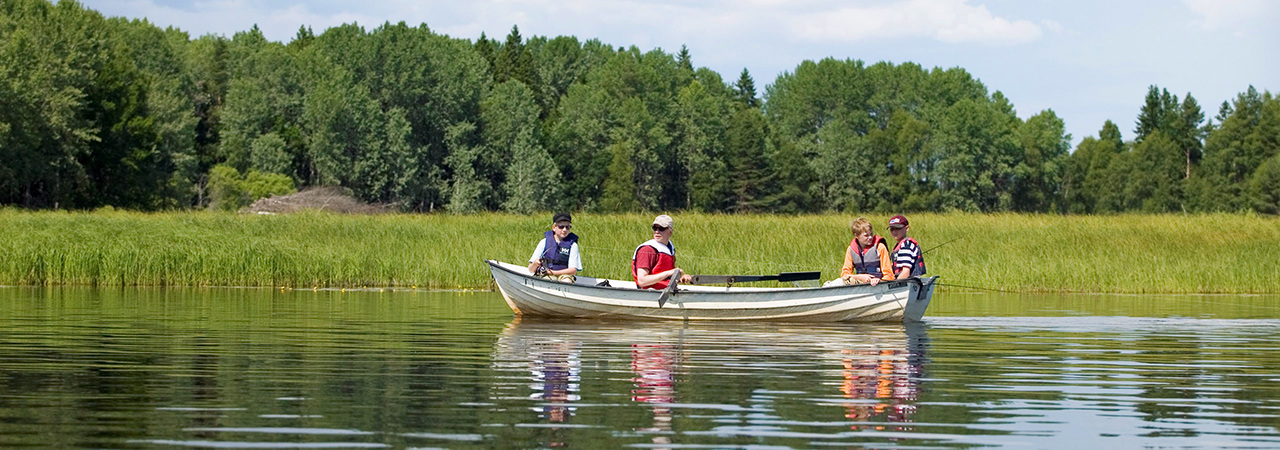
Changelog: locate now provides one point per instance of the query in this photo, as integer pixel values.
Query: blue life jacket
(558, 252)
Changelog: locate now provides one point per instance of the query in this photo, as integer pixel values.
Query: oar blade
(671, 286)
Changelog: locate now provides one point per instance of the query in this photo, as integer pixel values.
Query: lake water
(261, 368)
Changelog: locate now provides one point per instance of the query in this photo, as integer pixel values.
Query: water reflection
(554, 366)
(270, 369)
(678, 372)
(883, 380)
(655, 383)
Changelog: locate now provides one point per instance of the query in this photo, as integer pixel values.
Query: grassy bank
(1172, 254)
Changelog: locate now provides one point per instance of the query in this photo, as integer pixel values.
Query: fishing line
(940, 245)
(975, 288)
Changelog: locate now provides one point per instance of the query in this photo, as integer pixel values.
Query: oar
(731, 279)
(666, 293)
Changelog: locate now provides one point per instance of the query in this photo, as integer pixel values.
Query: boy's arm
(848, 264)
(886, 262)
(535, 259)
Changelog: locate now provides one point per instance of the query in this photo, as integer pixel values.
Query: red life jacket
(666, 261)
(917, 266)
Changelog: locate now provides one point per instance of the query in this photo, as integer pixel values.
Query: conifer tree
(745, 90)
(513, 61)
(683, 58)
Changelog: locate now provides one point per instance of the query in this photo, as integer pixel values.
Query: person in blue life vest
(908, 259)
(654, 261)
(557, 256)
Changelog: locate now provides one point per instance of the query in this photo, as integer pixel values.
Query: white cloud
(951, 21)
(1234, 15)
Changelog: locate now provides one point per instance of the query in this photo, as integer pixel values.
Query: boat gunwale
(886, 285)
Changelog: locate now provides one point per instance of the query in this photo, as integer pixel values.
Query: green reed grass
(1012, 252)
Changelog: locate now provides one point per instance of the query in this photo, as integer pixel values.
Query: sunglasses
(564, 227)
(659, 228)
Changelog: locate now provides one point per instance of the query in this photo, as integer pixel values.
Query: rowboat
(899, 300)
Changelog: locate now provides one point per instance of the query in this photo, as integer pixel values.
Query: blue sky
(1087, 60)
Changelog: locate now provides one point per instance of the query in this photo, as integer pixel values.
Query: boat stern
(918, 299)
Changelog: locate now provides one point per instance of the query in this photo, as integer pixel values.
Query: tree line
(99, 111)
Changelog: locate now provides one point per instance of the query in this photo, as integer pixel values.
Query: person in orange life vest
(867, 260)
(655, 260)
(558, 250)
(908, 260)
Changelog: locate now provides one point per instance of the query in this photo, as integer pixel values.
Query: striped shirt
(905, 255)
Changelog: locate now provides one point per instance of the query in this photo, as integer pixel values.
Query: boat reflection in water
(704, 382)
(882, 381)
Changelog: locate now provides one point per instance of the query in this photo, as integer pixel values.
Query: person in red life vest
(908, 260)
(557, 256)
(867, 261)
(655, 260)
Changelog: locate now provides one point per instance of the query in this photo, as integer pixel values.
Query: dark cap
(561, 217)
(897, 221)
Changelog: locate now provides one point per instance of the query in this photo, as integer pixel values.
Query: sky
(1087, 60)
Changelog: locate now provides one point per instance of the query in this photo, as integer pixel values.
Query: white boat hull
(899, 300)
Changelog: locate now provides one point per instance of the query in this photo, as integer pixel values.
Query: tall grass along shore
(1010, 252)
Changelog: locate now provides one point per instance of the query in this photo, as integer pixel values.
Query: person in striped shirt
(908, 259)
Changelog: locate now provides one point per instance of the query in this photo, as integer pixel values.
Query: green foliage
(514, 157)
(228, 191)
(975, 149)
(114, 112)
(745, 90)
(1154, 181)
(620, 187)
(1038, 174)
(1095, 177)
(699, 142)
(1248, 135)
(268, 153)
(1264, 186)
(261, 185)
(513, 62)
(468, 191)
(749, 172)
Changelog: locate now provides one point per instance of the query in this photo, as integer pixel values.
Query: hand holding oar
(671, 286)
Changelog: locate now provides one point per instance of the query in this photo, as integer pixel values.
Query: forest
(108, 112)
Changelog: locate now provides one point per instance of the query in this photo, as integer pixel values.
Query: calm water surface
(250, 368)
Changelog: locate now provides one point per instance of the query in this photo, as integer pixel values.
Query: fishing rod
(942, 244)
